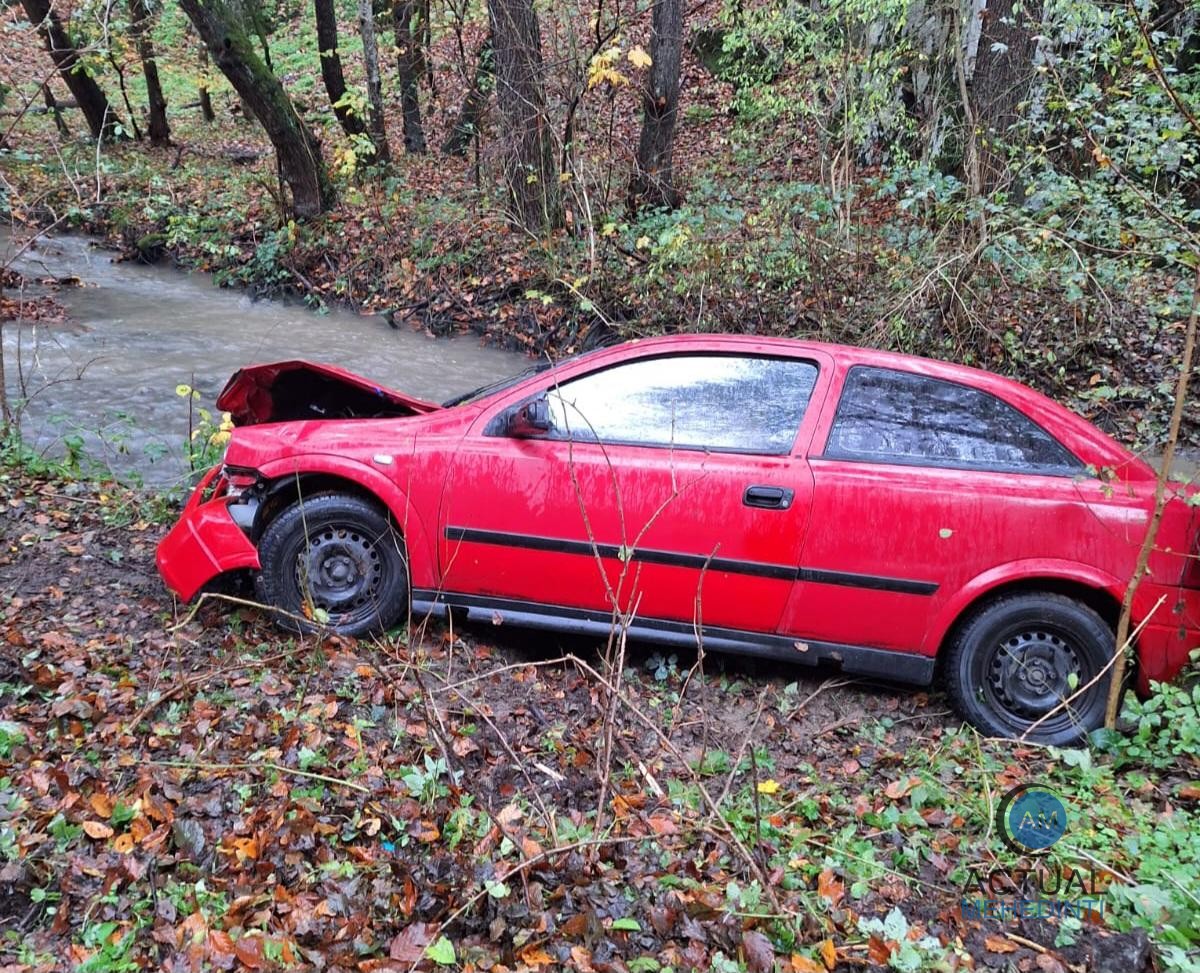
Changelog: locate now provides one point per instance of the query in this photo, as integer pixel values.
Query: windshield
(507, 383)
(498, 386)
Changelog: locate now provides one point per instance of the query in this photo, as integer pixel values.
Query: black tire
(1019, 656)
(333, 562)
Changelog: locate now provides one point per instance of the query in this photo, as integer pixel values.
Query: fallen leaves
(899, 789)
(408, 946)
(442, 952)
(879, 951)
(242, 848)
(101, 803)
(760, 954)
(802, 964)
(830, 887)
(998, 944)
(285, 817)
(97, 830)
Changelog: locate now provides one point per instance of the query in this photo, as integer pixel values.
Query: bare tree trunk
(653, 176)
(409, 59)
(474, 104)
(116, 66)
(529, 170)
(206, 107)
(54, 109)
(6, 412)
(160, 131)
(424, 38)
(331, 67)
(222, 24)
(366, 27)
(1003, 74)
(101, 119)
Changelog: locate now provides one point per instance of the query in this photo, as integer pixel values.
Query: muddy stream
(107, 378)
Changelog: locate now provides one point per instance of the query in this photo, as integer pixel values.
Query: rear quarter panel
(969, 531)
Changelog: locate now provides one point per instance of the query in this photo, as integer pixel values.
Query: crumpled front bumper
(205, 542)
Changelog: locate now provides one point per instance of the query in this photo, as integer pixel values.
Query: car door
(665, 487)
(923, 485)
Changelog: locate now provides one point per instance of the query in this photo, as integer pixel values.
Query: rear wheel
(334, 561)
(1021, 657)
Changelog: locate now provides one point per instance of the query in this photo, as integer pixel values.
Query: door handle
(768, 497)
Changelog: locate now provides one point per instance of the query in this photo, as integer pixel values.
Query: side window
(898, 417)
(717, 402)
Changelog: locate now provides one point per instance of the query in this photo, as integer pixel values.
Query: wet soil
(342, 800)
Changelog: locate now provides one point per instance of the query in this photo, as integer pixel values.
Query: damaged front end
(215, 533)
(208, 540)
(291, 390)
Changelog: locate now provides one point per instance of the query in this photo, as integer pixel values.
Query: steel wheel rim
(1030, 672)
(339, 570)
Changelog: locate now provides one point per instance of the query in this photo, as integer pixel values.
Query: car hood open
(289, 390)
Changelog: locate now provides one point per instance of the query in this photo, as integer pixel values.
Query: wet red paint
(966, 534)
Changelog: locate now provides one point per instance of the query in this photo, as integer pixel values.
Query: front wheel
(1022, 657)
(334, 561)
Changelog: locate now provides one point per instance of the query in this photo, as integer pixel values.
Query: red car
(894, 516)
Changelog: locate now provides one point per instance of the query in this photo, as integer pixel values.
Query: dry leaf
(1048, 964)
(409, 945)
(802, 964)
(535, 956)
(879, 952)
(221, 948)
(900, 788)
(97, 829)
(998, 944)
(508, 815)
(249, 950)
(829, 887)
(760, 954)
(639, 58)
(581, 959)
(243, 848)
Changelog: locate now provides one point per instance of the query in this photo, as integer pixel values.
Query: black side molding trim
(875, 582)
(782, 572)
(894, 666)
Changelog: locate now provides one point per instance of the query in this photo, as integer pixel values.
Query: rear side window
(887, 416)
(725, 403)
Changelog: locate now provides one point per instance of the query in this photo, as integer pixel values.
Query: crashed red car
(895, 517)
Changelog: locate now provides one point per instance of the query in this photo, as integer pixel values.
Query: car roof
(846, 354)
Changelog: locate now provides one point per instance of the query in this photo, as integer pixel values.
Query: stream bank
(103, 381)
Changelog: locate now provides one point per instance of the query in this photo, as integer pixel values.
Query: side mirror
(532, 419)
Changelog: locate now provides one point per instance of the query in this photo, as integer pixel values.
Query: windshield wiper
(497, 386)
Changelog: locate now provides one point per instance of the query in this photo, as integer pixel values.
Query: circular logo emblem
(1031, 818)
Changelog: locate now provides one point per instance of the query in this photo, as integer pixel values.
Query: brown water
(135, 333)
